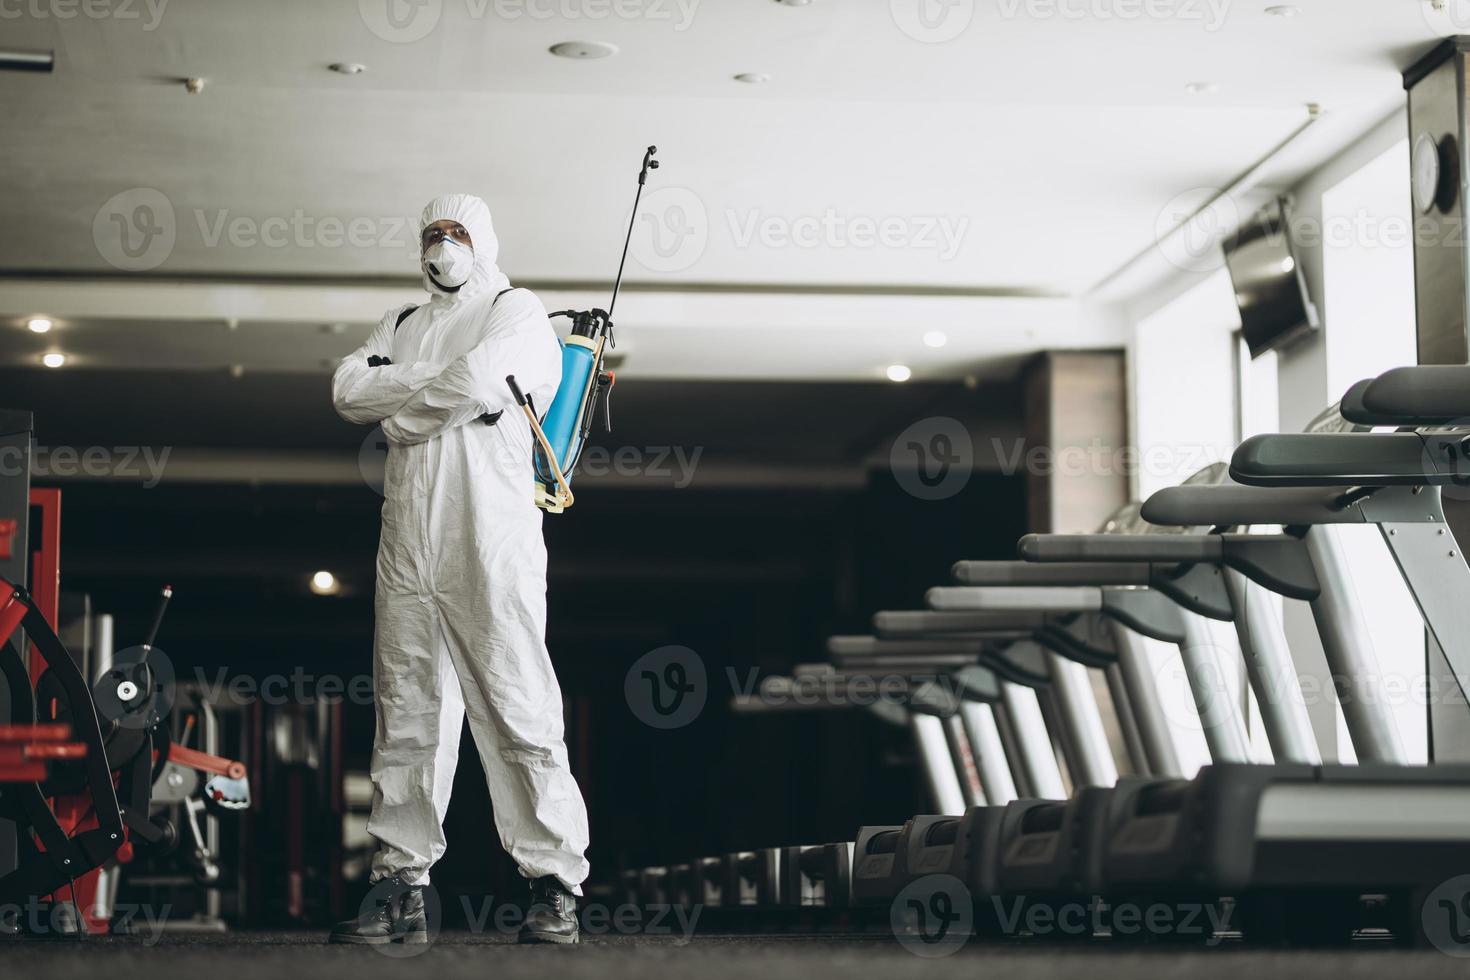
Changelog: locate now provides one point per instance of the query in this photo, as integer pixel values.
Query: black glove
(375, 361)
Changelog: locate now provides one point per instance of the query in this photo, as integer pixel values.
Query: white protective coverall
(461, 574)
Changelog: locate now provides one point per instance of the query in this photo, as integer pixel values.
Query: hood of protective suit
(471, 212)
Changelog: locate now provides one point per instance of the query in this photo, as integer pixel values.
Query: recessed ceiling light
(753, 77)
(793, 3)
(1283, 10)
(584, 50)
(324, 583)
(39, 324)
(935, 338)
(899, 373)
(348, 67)
(54, 360)
(1202, 88)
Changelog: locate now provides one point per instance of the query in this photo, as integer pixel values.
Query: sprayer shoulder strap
(490, 418)
(409, 312)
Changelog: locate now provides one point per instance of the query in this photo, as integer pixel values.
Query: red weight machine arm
(64, 858)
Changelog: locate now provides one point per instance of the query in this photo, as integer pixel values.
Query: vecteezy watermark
(671, 231)
(1100, 458)
(666, 465)
(1209, 14)
(137, 692)
(672, 463)
(297, 687)
(401, 21)
(678, 14)
(302, 230)
(1446, 16)
(933, 458)
(933, 916)
(667, 688)
(932, 21)
(372, 459)
(36, 919)
(138, 229)
(831, 231)
(596, 919)
(1203, 921)
(1191, 228)
(407, 21)
(1447, 452)
(135, 230)
(1445, 917)
(149, 13)
(142, 463)
(847, 690)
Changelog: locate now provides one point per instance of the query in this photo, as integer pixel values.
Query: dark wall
(746, 578)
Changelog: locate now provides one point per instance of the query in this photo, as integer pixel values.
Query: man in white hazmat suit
(461, 581)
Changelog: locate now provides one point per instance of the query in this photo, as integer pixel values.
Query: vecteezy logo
(1446, 16)
(135, 230)
(666, 688)
(400, 21)
(933, 458)
(671, 231)
(1191, 226)
(137, 692)
(372, 459)
(1446, 917)
(933, 916)
(1447, 452)
(1203, 698)
(932, 21)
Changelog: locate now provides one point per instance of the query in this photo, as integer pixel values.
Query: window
(1185, 418)
(1368, 285)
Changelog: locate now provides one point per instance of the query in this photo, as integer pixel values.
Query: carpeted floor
(298, 956)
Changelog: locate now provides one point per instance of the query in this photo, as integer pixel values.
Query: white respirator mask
(449, 263)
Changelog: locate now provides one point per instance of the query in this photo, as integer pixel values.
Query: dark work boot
(393, 912)
(552, 917)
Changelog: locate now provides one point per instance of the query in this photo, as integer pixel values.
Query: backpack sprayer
(562, 434)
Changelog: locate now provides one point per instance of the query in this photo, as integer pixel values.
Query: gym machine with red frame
(77, 763)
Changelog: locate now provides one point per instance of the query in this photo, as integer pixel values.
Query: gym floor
(267, 954)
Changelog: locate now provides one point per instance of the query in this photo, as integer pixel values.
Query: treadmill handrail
(1233, 505)
(1426, 394)
(1070, 573)
(1330, 459)
(1161, 548)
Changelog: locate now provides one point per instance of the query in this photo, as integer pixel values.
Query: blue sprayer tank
(569, 419)
(563, 422)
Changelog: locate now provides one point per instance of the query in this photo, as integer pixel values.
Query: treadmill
(1298, 845)
(1031, 848)
(1053, 855)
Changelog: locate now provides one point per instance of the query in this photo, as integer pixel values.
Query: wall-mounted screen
(1275, 307)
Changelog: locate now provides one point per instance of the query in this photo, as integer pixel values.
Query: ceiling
(1034, 151)
(979, 168)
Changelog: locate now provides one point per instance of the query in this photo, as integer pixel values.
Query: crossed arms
(417, 401)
